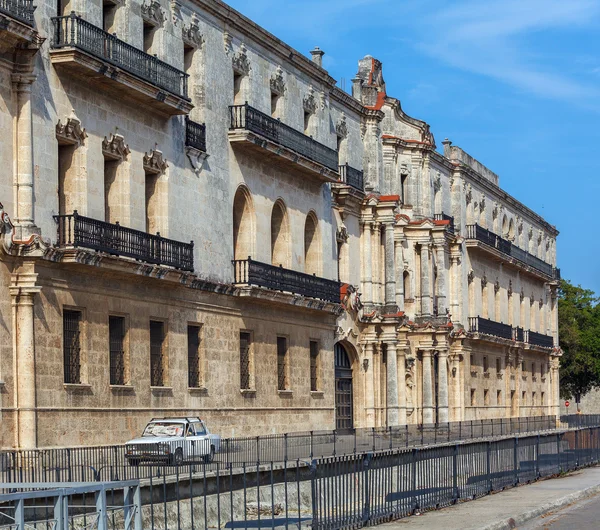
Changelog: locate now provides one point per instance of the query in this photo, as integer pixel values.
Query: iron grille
(444, 217)
(157, 337)
(245, 360)
(72, 346)
(78, 231)
(73, 31)
(248, 118)
(193, 356)
(195, 135)
(352, 177)
(250, 272)
(314, 364)
(116, 332)
(22, 10)
(506, 247)
(282, 379)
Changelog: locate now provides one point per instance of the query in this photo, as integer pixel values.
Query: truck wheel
(177, 458)
(210, 456)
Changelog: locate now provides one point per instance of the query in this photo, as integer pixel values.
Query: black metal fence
(538, 339)
(84, 464)
(352, 177)
(445, 217)
(79, 231)
(22, 10)
(250, 272)
(251, 119)
(497, 329)
(506, 247)
(73, 31)
(195, 135)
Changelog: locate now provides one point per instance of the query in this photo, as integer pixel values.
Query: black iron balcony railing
(195, 135)
(489, 327)
(444, 217)
(506, 247)
(556, 274)
(22, 10)
(73, 31)
(352, 177)
(519, 334)
(250, 119)
(250, 272)
(538, 339)
(75, 230)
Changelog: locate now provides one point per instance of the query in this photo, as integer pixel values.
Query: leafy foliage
(579, 332)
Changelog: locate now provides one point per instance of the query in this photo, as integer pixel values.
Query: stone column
(369, 386)
(392, 385)
(457, 388)
(23, 291)
(399, 265)
(456, 289)
(427, 388)
(442, 400)
(426, 302)
(442, 274)
(390, 267)
(401, 377)
(554, 386)
(367, 265)
(24, 218)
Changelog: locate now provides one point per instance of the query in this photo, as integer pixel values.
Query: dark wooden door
(344, 406)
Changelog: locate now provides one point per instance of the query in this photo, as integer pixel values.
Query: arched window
(243, 224)
(312, 246)
(280, 236)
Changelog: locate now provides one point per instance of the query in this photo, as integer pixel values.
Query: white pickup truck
(173, 441)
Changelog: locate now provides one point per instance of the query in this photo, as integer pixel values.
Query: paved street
(581, 515)
(522, 505)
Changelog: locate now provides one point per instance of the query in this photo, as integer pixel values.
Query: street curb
(514, 522)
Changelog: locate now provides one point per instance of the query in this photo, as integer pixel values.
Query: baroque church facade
(197, 221)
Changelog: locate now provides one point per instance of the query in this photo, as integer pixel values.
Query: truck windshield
(163, 428)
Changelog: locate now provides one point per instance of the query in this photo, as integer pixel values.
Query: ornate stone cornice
(191, 34)
(70, 132)
(240, 61)
(114, 147)
(341, 127)
(33, 246)
(277, 82)
(153, 13)
(154, 162)
(310, 102)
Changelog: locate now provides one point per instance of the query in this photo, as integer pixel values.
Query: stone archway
(344, 392)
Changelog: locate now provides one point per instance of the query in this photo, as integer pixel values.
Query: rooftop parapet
(456, 154)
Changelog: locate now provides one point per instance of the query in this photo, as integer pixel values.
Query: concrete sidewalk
(508, 509)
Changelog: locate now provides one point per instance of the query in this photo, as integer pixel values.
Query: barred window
(116, 337)
(314, 366)
(282, 364)
(245, 341)
(72, 346)
(194, 357)
(157, 339)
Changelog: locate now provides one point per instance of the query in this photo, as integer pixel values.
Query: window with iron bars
(72, 346)
(245, 342)
(194, 380)
(314, 366)
(157, 339)
(282, 364)
(116, 337)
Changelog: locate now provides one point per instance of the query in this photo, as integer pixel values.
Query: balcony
(119, 68)
(444, 217)
(519, 334)
(352, 177)
(21, 10)
(254, 273)
(16, 28)
(195, 135)
(537, 339)
(489, 327)
(254, 130)
(521, 258)
(77, 231)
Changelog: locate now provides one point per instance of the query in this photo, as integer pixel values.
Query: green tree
(579, 332)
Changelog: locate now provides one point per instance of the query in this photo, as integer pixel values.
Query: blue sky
(516, 83)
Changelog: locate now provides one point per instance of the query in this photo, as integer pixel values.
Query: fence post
(537, 457)
(558, 451)
(516, 460)
(489, 466)
(313, 493)
(334, 442)
(576, 448)
(455, 474)
(414, 480)
(285, 447)
(367, 494)
(390, 429)
(101, 509)
(311, 444)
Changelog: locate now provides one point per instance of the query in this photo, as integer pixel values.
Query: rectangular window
(498, 397)
(485, 365)
(237, 89)
(307, 122)
(524, 398)
(116, 337)
(533, 396)
(486, 397)
(543, 399)
(472, 361)
(498, 365)
(157, 340)
(473, 401)
(245, 343)
(274, 105)
(314, 366)
(72, 346)
(193, 333)
(282, 364)
(533, 369)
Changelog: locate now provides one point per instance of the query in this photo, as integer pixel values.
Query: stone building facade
(342, 271)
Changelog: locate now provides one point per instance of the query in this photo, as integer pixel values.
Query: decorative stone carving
(482, 204)
(341, 127)
(510, 289)
(471, 276)
(277, 82)
(309, 102)
(541, 303)
(539, 238)
(153, 13)
(522, 294)
(227, 42)
(530, 234)
(114, 147)
(240, 61)
(176, 11)
(154, 162)
(484, 281)
(495, 211)
(323, 98)
(191, 34)
(532, 299)
(496, 286)
(196, 158)
(342, 235)
(70, 132)
(547, 244)
(437, 183)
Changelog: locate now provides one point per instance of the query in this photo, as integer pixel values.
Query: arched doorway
(344, 398)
